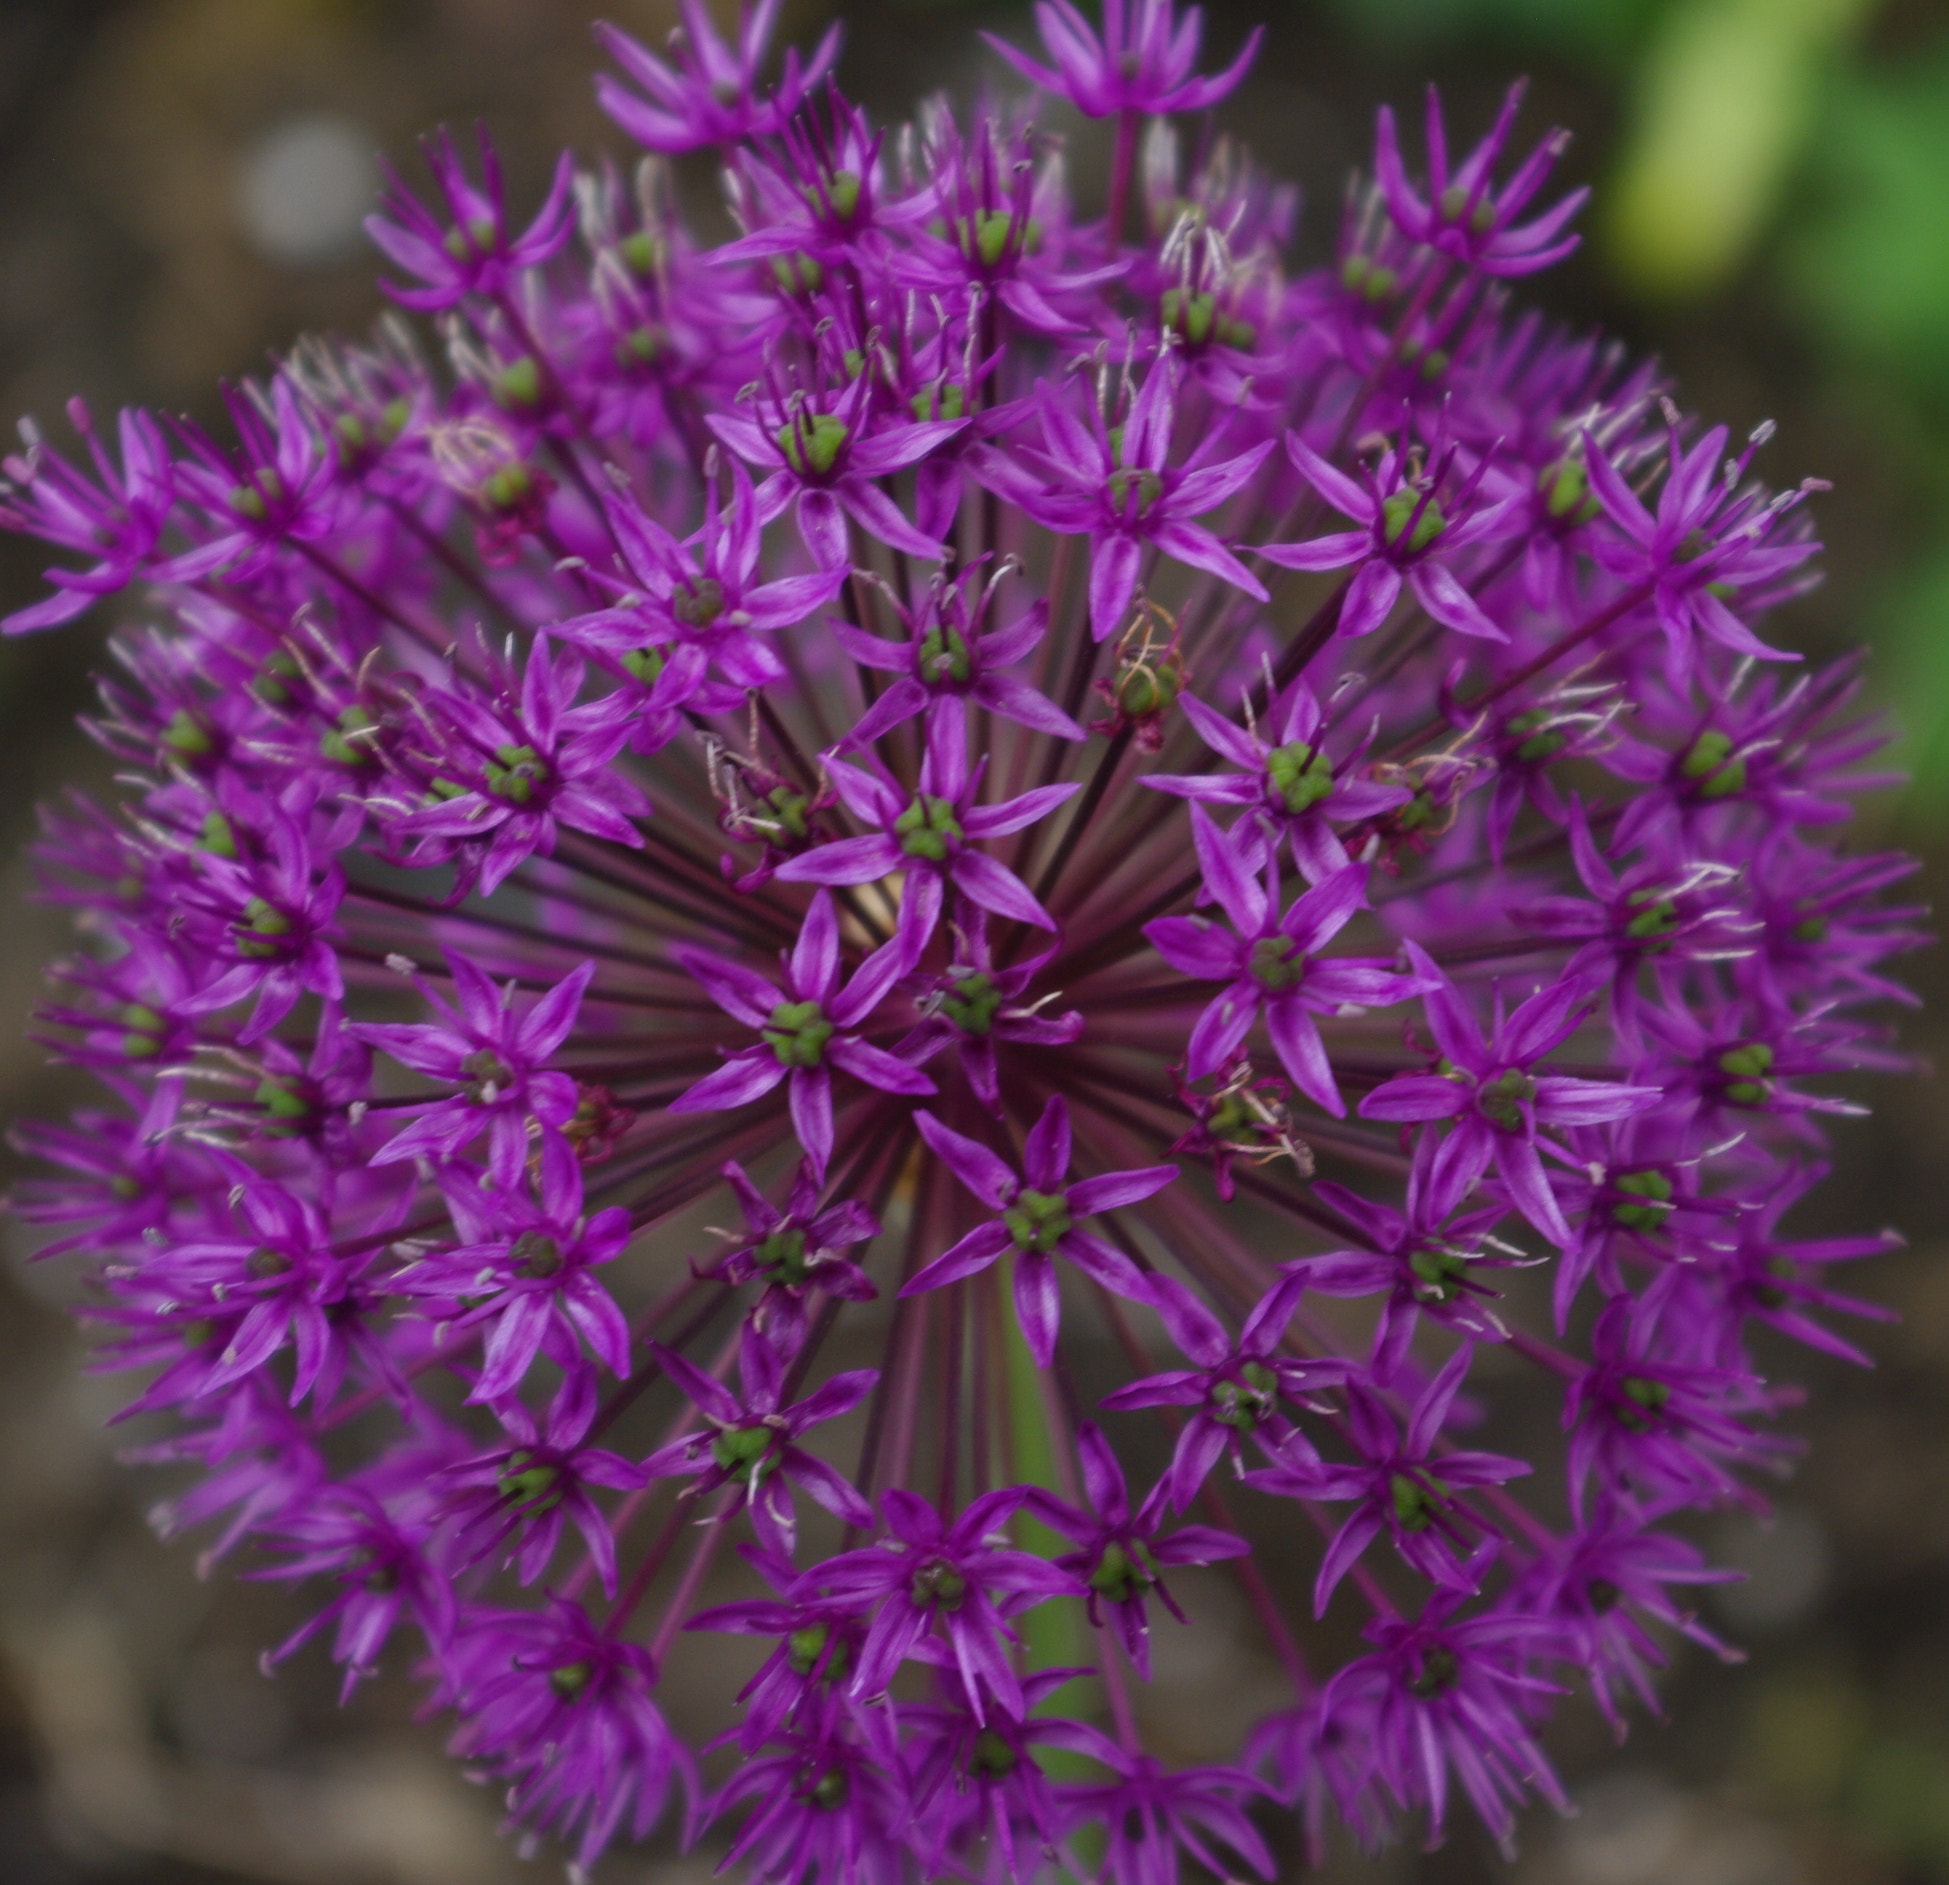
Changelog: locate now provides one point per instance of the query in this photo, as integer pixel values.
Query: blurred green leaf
(1913, 666)
(1867, 256)
(1601, 33)
(1726, 100)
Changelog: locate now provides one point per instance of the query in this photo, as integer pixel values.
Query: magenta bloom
(1402, 1484)
(1712, 537)
(119, 521)
(1296, 790)
(736, 937)
(826, 462)
(1499, 1105)
(1141, 61)
(1464, 215)
(1037, 1219)
(1406, 536)
(1114, 479)
(753, 1440)
(808, 1028)
(1241, 1387)
(708, 93)
(951, 1579)
(521, 1272)
(1272, 964)
(1123, 1555)
(523, 1495)
(931, 836)
(471, 250)
(497, 1059)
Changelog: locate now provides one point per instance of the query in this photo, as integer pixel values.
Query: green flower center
(783, 1255)
(488, 1076)
(1276, 963)
(939, 1586)
(1300, 775)
(944, 656)
(1121, 1576)
(515, 773)
(973, 1002)
(991, 1757)
(1566, 491)
(530, 1482)
(517, 386)
(1712, 765)
(828, 1789)
(928, 828)
(745, 1452)
(698, 604)
(537, 1255)
(1749, 1066)
(1438, 1273)
(798, 1032)
(345, 744)
(1437, 1671)
(1544, 740)
(260, 935)
(1501, 1100)
(1145, 486)
(1651, 1194)
(1242, 1403)
(1193, 315)
(1038, 1220)
(1415, 1503)
(812, 443)
(1644, 1402)
(1411, 520)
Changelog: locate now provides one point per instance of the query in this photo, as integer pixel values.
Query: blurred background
(181, 185)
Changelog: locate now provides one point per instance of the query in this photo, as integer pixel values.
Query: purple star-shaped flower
(973, 1004)
(1406, 536)
(524, 1492)
(1123, 1559)
(1402, 1484)
(1141, 62)
(1149, 1816)
(753, 1439)
(1236, 1387)
(514, 771)
(1114, 482)
(830, 459)
(1422, 1257)
(1292, 786)
(1711, 538)
(498, 1060)
(1499, 1105)
(818, 1648)
(960, 1580)
(471, 253)
(1272, 964)
(523, 1272)
(948, 661)
(1036, 1217)
(930, 836)
(793, 1251)
(1464, 216)
(809, 1027)
(1443, 1694)
(119, 522)
(708, 93)
(696, 600)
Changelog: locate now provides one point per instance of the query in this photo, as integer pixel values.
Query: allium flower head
(662, 1013)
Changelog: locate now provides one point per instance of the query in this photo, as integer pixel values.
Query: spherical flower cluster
(710, 739)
